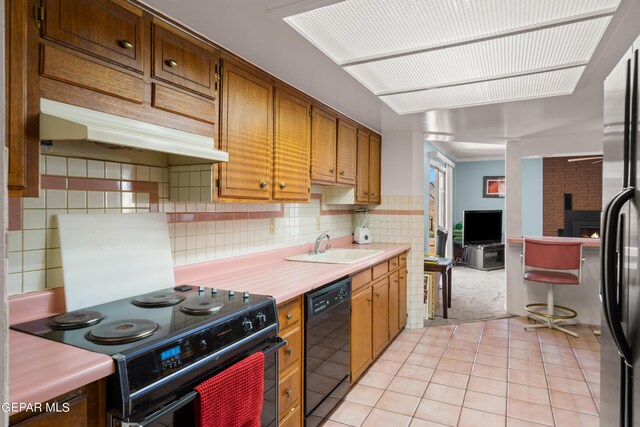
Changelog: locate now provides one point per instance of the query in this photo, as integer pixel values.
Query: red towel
(233, 398)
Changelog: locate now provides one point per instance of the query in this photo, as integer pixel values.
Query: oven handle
(274, 344)
(160, 413)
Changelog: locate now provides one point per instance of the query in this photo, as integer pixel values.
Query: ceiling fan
(598, 159)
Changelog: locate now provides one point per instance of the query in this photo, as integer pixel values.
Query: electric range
(165, 343)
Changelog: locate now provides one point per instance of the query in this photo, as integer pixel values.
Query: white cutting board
(106, 257)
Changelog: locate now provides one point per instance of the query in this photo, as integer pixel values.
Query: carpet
(475, 295)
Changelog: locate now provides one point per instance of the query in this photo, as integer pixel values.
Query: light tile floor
(481, 374)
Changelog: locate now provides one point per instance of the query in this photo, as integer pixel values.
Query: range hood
(60, 121)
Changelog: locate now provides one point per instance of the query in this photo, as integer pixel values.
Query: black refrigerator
(619, 287)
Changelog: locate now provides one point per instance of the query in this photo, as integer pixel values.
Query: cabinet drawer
(289, 314)
(178, 61)
(99, 28)
(380, 270)
(289, 392)
(292, 419)
(358, 280)
(290, 354)
(393, 263)
(403, 259)
(65, 67)
(177, 102)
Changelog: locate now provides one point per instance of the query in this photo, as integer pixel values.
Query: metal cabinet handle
(171, 63)
(341, 173)
(371, 194)
(368, 299)
(288, 392)
(289, 351)
(377, 295)
(125, 44)
(289, 316)
(263, 184)
(283, 185)
(332, 171)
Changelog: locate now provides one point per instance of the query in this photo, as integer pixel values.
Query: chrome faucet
(317, 245)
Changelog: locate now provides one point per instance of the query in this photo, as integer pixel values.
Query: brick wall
(582, 179)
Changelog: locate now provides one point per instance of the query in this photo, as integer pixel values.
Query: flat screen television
(482, 227)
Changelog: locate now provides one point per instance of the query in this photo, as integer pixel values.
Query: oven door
(180, 413)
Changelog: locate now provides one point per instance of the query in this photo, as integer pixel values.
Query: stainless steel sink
(337, 256)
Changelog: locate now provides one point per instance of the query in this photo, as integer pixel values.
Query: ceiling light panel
(545, 49)
(357, 30)
(552, 83)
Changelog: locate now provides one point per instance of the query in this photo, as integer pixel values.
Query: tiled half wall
(198, 231)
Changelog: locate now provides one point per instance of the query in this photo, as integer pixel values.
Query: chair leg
(550, 322)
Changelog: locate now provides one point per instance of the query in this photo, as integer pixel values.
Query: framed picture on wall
(493, 186)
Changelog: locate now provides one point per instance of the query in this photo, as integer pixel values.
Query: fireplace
(581, 224)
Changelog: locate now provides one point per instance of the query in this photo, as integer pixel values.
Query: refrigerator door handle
(609, 274)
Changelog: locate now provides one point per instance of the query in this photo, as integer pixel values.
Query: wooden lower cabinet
(394, 308)
(402, 297)
(380, 313)
(291, 363)
(84, 406)
(361, 355)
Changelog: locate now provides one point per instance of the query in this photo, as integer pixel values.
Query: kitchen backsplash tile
(198, 231)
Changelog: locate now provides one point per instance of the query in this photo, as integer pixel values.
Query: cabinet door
(361, 355)
(347, 152)
(180, 62)
(380, 315)
(292, 147)
(323, 146)
(375, 148)
(402, 297)
(102, 28)
(394, 325)
(246, 133)
(362, 167)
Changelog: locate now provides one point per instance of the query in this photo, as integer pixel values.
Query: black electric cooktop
(139, 322)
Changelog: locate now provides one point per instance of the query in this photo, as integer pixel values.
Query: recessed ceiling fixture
(459, 49)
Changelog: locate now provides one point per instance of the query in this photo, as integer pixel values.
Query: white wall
(402, 166)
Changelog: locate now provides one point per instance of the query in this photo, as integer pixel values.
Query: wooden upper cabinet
(375, 154)
(323, 146)
(292, 147)
(110, 30)
(246, 133)
(347, 152)
(184, 62)
(362, 167)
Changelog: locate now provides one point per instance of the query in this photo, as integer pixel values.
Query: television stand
(486, 257)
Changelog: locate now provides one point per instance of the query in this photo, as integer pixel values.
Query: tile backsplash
(199, 231)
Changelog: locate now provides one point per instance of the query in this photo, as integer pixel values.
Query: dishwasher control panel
(328, 297)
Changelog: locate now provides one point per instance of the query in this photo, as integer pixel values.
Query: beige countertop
(41, 369)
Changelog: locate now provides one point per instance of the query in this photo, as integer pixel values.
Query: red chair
(552, 263)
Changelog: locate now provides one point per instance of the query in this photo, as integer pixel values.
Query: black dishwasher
(327, 353)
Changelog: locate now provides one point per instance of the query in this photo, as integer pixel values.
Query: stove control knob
(231, 293)
(200, 289)
(203, 344)
(247, 325)
(261, 318)
(214, 291)
(245, 295)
